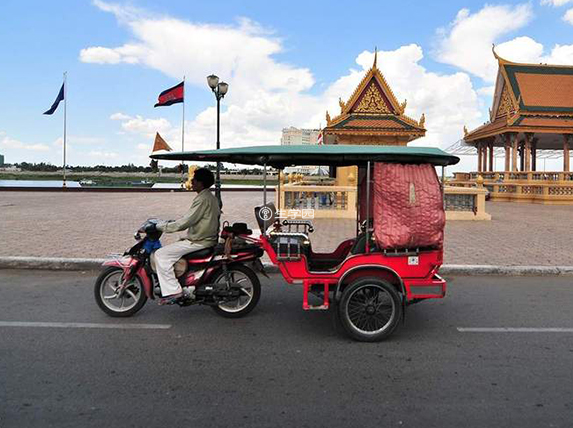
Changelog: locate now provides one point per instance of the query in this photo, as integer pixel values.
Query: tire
(241, 274)
(104, 287)
(370, 309)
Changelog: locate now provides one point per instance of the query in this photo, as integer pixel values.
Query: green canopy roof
(335, 155)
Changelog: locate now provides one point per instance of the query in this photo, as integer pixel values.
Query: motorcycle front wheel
(250, 286)
(108, 298)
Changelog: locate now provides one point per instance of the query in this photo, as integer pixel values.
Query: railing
(306, 201)
(465, 203)
(545, 176)
(324, 201)
(546, 187)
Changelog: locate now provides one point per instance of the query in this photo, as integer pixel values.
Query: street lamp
(219, 89)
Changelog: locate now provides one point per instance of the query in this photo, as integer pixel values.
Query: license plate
(413, 261)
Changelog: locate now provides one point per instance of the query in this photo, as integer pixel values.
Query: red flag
(172, 95)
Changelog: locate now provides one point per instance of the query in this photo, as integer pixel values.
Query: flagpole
(65, 105)
(183, 136)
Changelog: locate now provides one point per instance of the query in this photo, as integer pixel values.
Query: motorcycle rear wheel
(251, 288)
(105, 288)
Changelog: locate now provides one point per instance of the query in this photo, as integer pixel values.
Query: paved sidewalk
(92, 225)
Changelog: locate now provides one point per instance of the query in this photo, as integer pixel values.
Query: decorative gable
(372, 101)
(506, 106)
(373, 115)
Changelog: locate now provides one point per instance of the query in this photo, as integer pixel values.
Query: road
(282, 366)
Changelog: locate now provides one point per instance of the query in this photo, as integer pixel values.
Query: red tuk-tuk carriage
(393, 260)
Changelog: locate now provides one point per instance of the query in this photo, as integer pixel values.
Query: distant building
(1, 160)
(295, 136)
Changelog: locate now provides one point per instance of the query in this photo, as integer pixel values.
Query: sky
(286, 63)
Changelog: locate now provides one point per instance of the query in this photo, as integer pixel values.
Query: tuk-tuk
(393, 260)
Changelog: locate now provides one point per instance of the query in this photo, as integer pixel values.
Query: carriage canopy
(333, 155)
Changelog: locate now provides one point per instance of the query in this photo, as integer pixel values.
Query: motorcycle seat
(199, 254)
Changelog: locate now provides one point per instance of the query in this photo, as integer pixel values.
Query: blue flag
(59, 98)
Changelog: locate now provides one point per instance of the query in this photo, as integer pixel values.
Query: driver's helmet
(149, 227)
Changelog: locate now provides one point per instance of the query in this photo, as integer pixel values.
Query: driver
(202, 224)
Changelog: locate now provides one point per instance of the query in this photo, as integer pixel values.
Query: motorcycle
(222, 277)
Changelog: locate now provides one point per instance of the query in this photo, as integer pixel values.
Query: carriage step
(317, 308)
(306, 285)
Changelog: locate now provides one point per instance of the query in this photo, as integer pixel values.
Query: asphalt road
(282, 366)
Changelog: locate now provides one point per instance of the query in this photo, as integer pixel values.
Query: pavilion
(531, 117)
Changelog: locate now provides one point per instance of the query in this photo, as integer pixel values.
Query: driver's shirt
(202, 220)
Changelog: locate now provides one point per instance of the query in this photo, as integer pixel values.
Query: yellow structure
(531, 116)
(371, 116)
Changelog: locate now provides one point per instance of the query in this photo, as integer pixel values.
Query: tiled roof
(379, 122)
(546, 89)
(374, 123)
(553, 122)
(488, 128)
(542, 88)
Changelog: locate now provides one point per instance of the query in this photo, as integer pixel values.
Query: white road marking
(515, 330)
(84, 325)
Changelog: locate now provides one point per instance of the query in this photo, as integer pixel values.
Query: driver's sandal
(171, 300)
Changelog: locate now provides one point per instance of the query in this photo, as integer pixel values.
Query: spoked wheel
(370, 309)
(250, 288)
(110, 301)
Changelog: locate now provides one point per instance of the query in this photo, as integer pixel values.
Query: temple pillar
(534, 154)
(484, 156)
(491, 165)
(513, 151)
(521, 157)
(507, 152)
(527, 151)
(478, 146)
(566, 138)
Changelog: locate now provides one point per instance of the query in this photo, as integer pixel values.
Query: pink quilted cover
(408, 209)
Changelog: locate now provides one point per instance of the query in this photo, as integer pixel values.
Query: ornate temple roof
(374, 110)
(529, 98)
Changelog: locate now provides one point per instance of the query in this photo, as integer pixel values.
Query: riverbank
(125, 179)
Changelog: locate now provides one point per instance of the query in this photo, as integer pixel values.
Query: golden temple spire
(375, 56)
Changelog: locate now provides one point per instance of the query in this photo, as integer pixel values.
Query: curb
(54, 263)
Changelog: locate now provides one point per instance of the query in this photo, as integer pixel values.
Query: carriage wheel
(370, 309)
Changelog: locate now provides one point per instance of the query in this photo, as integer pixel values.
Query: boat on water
(87, 182)
(142, 183)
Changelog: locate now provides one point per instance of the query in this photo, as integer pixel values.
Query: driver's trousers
(165, 258)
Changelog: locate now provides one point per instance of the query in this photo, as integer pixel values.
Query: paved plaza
(86, 225)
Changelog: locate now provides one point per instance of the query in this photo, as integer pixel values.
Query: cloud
(119, 116)
(486, 91)
(467, 42)
(568, 17)
(145, 127)
(10, 143)
(177, 47)
(267, 95)
(447, 110)
(100, 154)
(555, 3)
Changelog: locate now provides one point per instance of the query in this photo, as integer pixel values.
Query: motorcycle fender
(125, 263)
(146, 281)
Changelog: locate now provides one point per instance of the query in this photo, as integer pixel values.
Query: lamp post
(219, 89)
